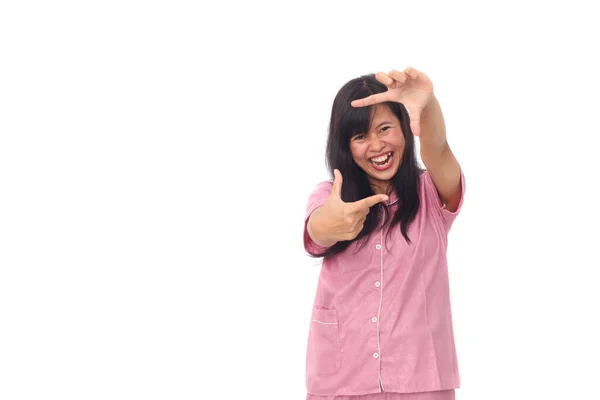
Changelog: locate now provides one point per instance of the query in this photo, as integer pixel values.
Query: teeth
(381, 158)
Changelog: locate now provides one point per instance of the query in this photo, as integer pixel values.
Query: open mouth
(381, 162)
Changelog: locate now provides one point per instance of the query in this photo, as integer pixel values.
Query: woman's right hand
(346, 220)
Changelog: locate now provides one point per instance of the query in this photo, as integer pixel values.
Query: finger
(371, 201)
(373, 99)
(400, 77)
(383, 78)
(337, 183)
(411, 72)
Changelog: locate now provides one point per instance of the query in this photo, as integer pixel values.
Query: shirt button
(377, 284)
(375, 355)
(378, 246)
(374, 319)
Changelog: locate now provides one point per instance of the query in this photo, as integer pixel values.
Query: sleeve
(317, 198)
(434, 201)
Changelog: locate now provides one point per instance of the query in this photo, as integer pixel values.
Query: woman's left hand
(410, 87)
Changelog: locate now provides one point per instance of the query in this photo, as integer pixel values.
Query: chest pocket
(323, 355)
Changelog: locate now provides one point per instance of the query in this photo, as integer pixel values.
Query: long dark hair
(346, 121)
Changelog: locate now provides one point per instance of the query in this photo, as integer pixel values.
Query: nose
(376, 144)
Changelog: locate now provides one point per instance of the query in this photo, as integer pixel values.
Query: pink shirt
(381, 319)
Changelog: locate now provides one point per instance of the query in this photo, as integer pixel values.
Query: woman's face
(379, 151)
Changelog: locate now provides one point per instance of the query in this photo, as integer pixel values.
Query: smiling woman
(382, 325)
(359, 134)
(379, 151)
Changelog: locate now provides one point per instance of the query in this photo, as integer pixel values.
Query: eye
(358, 136)
(386, 128)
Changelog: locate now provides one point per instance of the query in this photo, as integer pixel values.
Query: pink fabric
(437, 395)
(381, 319)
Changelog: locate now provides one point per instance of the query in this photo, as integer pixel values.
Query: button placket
(375, 319)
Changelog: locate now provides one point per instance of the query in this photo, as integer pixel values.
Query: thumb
(415, 127)
(414, 117)
(337, 183)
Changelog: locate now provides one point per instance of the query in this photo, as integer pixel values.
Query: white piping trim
(321, 322)
(380, 302)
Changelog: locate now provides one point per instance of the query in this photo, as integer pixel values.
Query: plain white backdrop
(156, 159)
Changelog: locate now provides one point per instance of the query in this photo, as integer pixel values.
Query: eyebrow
(383, 123)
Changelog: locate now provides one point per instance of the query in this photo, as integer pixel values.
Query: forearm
(438, 157)
(317, 228)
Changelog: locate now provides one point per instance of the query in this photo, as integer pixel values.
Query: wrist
(317, 229)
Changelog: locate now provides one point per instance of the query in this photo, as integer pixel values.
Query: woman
(381, 325)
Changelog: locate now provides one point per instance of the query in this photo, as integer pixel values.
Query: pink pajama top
(381, 319)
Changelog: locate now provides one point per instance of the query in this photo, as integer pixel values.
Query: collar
(393, 198)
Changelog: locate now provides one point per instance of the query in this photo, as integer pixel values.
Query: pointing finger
(373, 99)
(371, 201)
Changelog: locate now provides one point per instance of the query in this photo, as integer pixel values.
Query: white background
(156, 159)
